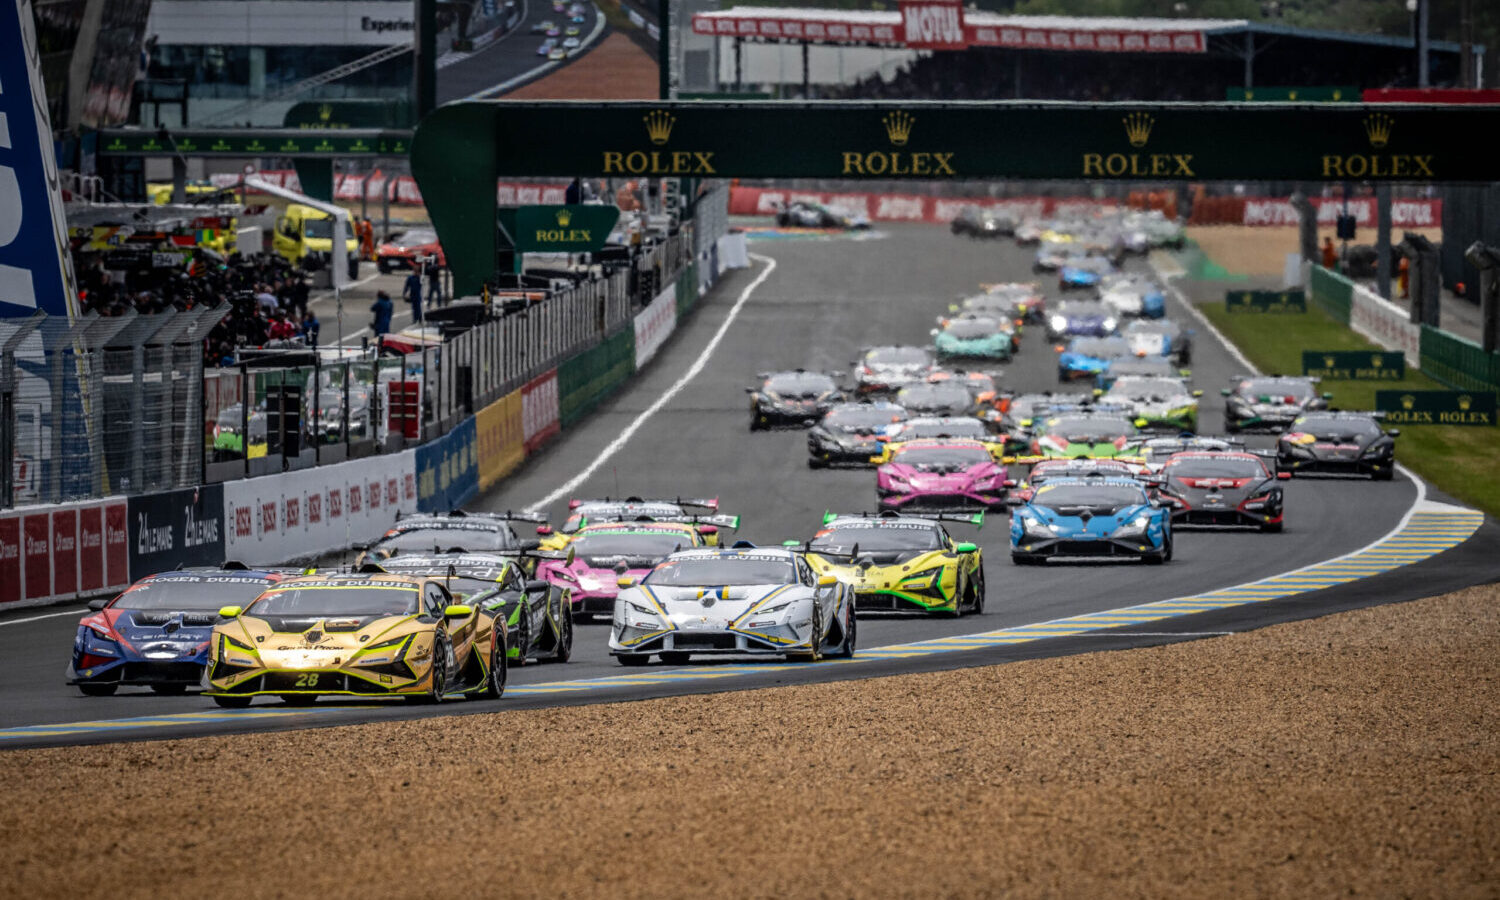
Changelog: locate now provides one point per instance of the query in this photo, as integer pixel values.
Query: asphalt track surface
(512, 56)
(821, 304)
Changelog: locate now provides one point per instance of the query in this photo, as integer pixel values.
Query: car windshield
(952, 428)
(1136, 386)
(1155, 366)
(1336, 426)
(1096, 495)
(973, 328)
(1276, 388)
(612, 546)
(897, 356)
(1103, 348)
(716, 570)
(417, 237)
(858, 417)
(808, 383)
(884, 537)
(935, 395)
(1216, 467)
(943, 457)
(1082, 310)
(337, 599)
(1072, 469)
(1090, 429)
(318, 228)
(1146, 326)
(499, 537)
(207, 592)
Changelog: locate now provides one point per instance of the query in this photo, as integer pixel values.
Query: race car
(1086, 430)
(1156, 403)
(796, 398)
(901, 563)
(804, 214)
(1269, 403)
(1090, 517)
(746, 600)
(888, 369)
(1073, 318)
(1160, 337)
(1222, 488)
(850, 433)
(1133, 295)
(1139, 366)
(1154, 452)
(356, 634)
(975, 335)
(632, 509)
(1085, 272)
(406, 249)
(1021, 412)
(544, 26)
(1086, 357)
(155, 632)
(1350, 443)
(985, 393)
(941, 475)
(602, 553)
(975, 222)
(937, 398)
(1021, 301)
(1044, 470)
(537, 614)
(454, 531)
(941, 428)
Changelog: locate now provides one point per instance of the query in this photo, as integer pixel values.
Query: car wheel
(98, 690)
(633, 659)
(494, 682)
(756, 424)
(233, 702)
(169, 690)
(522, 643)
(978, 607)
(814, 462)
(439, 684)
(815, 648)
(1385, 474)
(1230, 427)
(961, 602)
(851, 637)
(1271, 527)
(564, 638)
(675, 658)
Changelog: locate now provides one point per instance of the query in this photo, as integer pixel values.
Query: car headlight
(1059, 323)
(917, 581)
(590, 584)
(1033, 524)
(1110, 322)
(1133, 527)
(1378, 450)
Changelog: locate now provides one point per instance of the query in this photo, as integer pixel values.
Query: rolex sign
(574, 228)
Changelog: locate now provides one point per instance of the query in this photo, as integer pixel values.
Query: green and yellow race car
(901, 562)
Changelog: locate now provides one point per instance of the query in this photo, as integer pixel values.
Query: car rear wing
(975, 519)
(718, 520)
(806, 547)
(507, 516)
(685, 502)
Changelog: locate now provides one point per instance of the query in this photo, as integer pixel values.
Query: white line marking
(693, 371)
(66, 612)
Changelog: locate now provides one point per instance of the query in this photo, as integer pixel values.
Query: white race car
(743, 601)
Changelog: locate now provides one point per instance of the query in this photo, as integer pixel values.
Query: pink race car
(603, 553)
(942, 475)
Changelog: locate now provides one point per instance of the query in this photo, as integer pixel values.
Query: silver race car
(745, 601)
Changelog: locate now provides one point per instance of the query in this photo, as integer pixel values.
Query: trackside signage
(63, 551)
(176, 528)
(1266, 301)
(36, 270)
(1355, 365)
(539, 410)
(1436, 407)
(572, 228)
(933, 24)
(654, 324)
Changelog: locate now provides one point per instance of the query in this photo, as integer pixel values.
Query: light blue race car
(975, 336)
(1091, 517)
(1084, 273)
(1086, 357)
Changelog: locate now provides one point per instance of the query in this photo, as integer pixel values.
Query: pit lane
(823, 302)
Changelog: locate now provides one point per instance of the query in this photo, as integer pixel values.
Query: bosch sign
(933, 25)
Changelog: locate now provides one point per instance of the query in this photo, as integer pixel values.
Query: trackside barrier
(1459, 363)
(62, 551)
(448, 469)
(1333, 292)
(540, 418)
(587, 378)
(1385, 323)
(655, 323)
(502, 440)
(176, 528)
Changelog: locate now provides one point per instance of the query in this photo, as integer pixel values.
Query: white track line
(708, 351)
(66, 612)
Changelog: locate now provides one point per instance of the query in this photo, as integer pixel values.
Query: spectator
(266, 300)
(281, 327)
(412, 292)
(434, 284)
(1330, 254)
(382, 308)
(310, 328)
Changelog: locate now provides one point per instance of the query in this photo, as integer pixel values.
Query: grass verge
(1463, 462)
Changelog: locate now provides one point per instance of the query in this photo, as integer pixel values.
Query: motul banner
(62, 552)
(933, 24)
(1404, 213)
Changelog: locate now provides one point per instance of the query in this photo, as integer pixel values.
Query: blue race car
(156, 632)
(1086, 357)
(1080, 317)
(985, 337)
(1091, 517)
(1084, 273)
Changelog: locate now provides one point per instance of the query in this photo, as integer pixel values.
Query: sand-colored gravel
(1355, 754)
(617, 69)
(1261, 251)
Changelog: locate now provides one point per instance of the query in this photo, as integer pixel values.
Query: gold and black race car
(358, 634)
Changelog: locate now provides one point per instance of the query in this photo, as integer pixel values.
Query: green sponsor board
(1323, 94)
(1294, 301)
(343, 114)
(1437, 407)
(574, 228)
(1355, 365)
(293, 142)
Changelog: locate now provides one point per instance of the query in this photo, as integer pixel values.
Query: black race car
(797, 398)
(850, 433)
(452, 532)
(888, 369)
(975, 222)
(1270, 402)
(1351, 443)
(1222, 488)
(942, 398)
(801, 214)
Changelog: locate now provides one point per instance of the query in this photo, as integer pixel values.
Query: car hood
(173, 630)
(1070, 360)
(1097, 522)
(1150, 343)
(940, 481)
(312, 641)
(1236, 488)
(714, 602)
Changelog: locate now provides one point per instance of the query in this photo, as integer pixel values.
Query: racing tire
(494, 681)
(1272, 527)
(676, 657)
(439, 686)
(633, 659)
(233, 702)
(98, 690)
(382, 266)
(1185, 358)
(1023, 560)
(1385, 475)
(814, 652)
(755, 424)
(1230, 427)
(851, 637)
(298, 699)
(564, 649)
(522, 643)
(978, 607)
(168, 690)
(814, 462)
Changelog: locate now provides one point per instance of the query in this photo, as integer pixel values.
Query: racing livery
(1154, 452)
(1072, 318)
(937, 398)
(1160, 337)
(926, 428)
(604, 552)
(850, 433)
(1156, 403)
(973, 335)
(1045, 470)
(1098, 430)
(941, 475)
(1350, 443)
(607, 509)
(359, 634)
(744, 600)
(1149, 366)
(1269, 403)
(797, 398)
(901, 563)
(155, 633)
(1091, 517)
(1086, 272)
(1086, 357)
(888, 369)
(451, 532)
(1021, 301)
(1133, 295)
(1222, 488)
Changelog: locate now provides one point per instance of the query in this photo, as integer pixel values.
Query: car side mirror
(1283, 476)
(529, 543)
(230, 612)
(965, 547)
(458, 611)
(1197, 393)
(537, 584)
(827, 581)
(1098, 392)
(625, 581)
(1393, 432)
(544, 530)
(96, 605)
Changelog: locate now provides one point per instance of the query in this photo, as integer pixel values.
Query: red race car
(406, 249)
